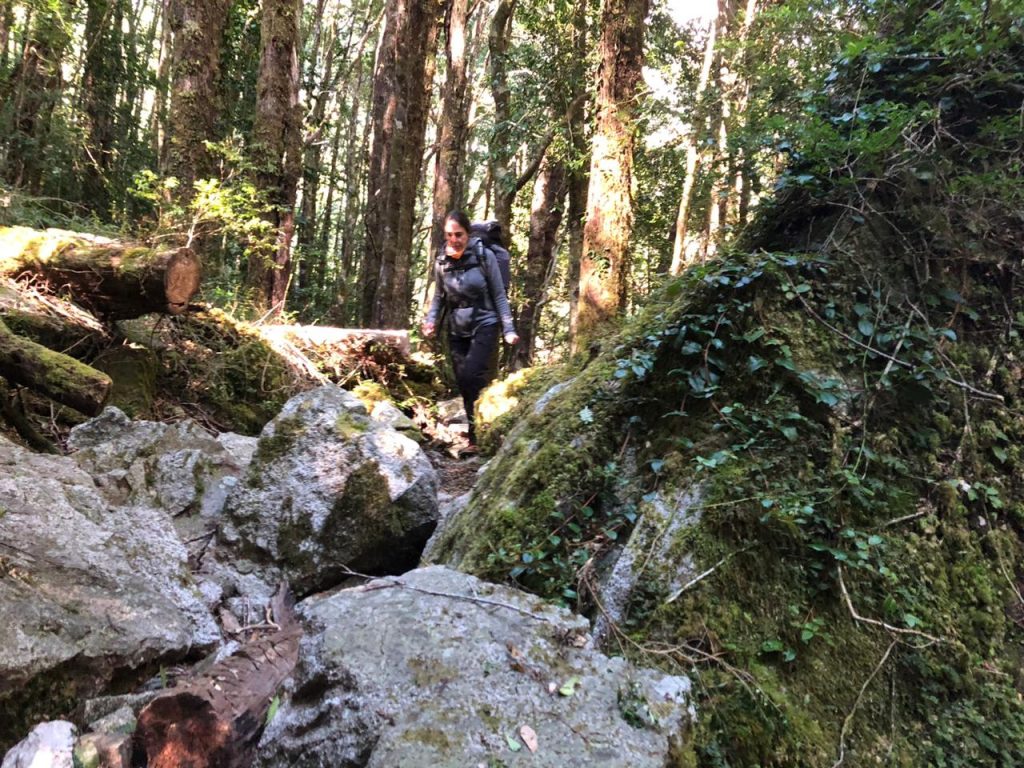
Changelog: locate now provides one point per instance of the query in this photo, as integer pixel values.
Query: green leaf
(911, 620)
(275, 704)
(569, 687)
(1000, 452)
(513, 743)
(772, 646)
(866, 327)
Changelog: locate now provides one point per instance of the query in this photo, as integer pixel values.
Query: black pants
(471, 360)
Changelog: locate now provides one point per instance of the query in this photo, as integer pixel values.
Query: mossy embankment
(846, 394)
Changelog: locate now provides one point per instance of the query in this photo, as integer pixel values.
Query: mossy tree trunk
(277, 150)
(197, 27)
(401, 89)
(57, 376)
(604, 266)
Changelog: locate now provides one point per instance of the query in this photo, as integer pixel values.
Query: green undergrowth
(856, 439)
(844, 403)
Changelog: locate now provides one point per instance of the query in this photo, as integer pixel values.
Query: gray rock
(654, 537)
(437, 668)
(388, 414)
(49, 745)
(103, 585)
(330, 489)
(179, 467)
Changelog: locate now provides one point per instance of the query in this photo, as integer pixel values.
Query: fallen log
(214, 719)
(306, 336)
(115, 280)
(59, 377)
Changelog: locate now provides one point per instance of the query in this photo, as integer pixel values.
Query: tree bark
(604, 266)
(502, 145)
(197, 27)
(545, 217)
(277, 149)
(312, 163)
(58, 377)
(103, 71)
(452, 127)
(114, 280)
(214, 720)
(401, 88)
(577, 178)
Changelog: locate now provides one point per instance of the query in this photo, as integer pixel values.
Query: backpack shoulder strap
(482, 252)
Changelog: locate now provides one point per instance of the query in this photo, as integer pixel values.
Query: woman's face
(455, 237)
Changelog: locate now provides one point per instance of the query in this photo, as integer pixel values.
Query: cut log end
(181, 280)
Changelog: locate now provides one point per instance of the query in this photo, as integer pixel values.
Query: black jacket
(473, 299)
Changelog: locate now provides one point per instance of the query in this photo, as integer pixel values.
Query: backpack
(490, 236)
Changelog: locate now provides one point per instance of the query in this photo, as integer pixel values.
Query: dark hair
(458, 217)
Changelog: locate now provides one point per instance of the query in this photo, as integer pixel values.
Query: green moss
(271, 447)
(366, 498)
(349, 426)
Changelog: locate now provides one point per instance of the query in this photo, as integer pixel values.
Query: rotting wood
(214, 720)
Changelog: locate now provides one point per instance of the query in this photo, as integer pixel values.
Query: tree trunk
(197, 27)
(604, 266)
(159, 120)
(277, 149)
(36, 89)
(115, 280)
(103, 72)
(545, 216)
(401, 88)
(452, 128)
(58, 377)
(577, 178)
(679, 256)
(6, 22)
(312, 162)
(215, 719)
(502, 145)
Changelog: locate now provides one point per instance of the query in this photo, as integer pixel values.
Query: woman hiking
(468, 283)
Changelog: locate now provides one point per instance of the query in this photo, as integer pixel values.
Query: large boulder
(89, 590)
(437, 668)
(180, 467)
(330, 490)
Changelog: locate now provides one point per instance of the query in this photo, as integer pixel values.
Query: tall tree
(103, 71)
(545, 215)
(197, 28)
(401, 89)
(277, 149)
(502, 146)
(452, 125)
(36, 90)
(604, 265)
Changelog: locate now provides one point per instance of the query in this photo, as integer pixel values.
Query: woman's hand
(512, 338)
(427, 328)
